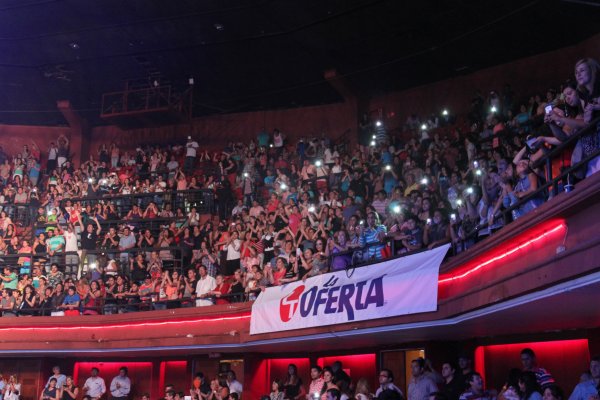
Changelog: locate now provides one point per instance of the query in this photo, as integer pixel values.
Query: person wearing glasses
(386, 382)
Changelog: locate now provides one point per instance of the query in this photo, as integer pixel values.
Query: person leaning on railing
(587, 74)
(371, 234)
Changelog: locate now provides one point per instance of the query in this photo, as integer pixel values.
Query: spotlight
(90, 180)
(396, 209)
(373, 143)
(245, 174)
(470, 190)
(493, 109)
(459, 202)
(423, 127)
(378, 123)
(478, 172)
(424, 181)
(374, 136)
(388, 167)
(318, 163)
(283, 186)
(445, 112)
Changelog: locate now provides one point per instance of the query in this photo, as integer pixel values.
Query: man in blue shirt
(589, 389)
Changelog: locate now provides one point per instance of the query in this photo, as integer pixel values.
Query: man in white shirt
(205, 285)
(71, 250)
(190, 155)
(234, 385)
(52, 154)
(120, 385)
(172, 166)
(94, 385)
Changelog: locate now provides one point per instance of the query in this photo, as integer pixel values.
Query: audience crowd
(127, 230)
(453, 381)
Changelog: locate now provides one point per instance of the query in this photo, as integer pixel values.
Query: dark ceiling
(253, 55)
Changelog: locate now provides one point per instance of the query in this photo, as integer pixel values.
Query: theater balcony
(538, 274)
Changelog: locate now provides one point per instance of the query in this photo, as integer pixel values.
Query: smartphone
(531, 143)
(453, 217)
(298, 252)
(548, 108)
(475, 164)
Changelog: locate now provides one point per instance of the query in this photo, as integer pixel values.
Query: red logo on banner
(289, 304)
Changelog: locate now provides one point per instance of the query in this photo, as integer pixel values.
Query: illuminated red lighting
(503, 255)
(130, 325)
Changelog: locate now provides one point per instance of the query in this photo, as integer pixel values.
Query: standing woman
(12, 390)
(51, 392)
(30, 300)
(69, 391)
(328, 382)
(292, 387)
(587, 74)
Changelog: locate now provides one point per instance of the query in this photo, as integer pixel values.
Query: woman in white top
(233, 247)
(12, 390)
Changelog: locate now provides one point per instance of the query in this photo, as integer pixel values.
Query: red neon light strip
(141, 324)
(501, 256)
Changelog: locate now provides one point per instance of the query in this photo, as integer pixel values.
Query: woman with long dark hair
(292, 387)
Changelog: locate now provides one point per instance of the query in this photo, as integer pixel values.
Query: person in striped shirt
(529, 361)
(372, 234)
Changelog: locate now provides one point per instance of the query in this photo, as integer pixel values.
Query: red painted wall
(174, 373)
(13, 137)
(140, 374)
(356, 366)
(260, 373)
(565, 359)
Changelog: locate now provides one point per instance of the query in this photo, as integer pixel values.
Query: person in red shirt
(221, 289)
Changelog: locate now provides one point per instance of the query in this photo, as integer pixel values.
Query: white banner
(406, 285)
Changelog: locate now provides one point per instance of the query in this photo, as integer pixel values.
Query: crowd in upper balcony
(122, 231)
